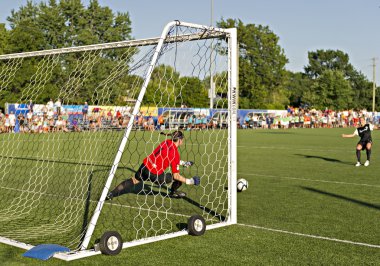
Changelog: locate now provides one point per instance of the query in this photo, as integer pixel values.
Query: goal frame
(231, 35)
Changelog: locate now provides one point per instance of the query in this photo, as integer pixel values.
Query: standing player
(153, 168)
(85, 111)
(12, 122)
(365, 142)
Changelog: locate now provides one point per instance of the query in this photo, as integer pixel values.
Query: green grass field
(306, 204)
(50, 185)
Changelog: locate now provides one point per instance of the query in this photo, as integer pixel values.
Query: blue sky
(302, 25)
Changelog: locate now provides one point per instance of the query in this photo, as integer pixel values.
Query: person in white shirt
(29, 117)
(50, 105)
(50, 114)
(58, 106)
(12, 122)
(59, 124)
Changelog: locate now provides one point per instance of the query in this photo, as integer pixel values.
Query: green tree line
(328, 81)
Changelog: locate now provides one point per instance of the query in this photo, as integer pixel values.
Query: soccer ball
(242, 184)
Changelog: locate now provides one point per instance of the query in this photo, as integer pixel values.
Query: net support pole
(232, 127)
(123, 143)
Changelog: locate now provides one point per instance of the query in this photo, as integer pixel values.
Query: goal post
(82, 119)
(233, 107)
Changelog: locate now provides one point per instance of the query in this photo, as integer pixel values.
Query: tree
(262, 62)
(337, 61)
(322, 60)
(161, 90)
(194, 92)
(330, 90)
(4, 37)
(52, 23)
(362, 91)
(58, 24)
(26, 34)
(297, 84)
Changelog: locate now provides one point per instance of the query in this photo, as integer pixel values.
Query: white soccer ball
(242, 184)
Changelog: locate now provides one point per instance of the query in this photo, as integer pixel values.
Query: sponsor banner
(149, 111)
(39, 109)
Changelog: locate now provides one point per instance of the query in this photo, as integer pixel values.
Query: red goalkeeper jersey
(164, 155)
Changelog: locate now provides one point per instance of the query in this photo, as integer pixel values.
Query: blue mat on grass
(44, 251)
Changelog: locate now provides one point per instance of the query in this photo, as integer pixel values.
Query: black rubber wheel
(196, 225)
(110, 243)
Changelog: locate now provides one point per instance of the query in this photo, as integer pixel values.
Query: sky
(302, 25)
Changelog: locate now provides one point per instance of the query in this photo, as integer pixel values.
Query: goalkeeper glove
(196, 180)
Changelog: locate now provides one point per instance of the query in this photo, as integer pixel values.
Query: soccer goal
(80, 120)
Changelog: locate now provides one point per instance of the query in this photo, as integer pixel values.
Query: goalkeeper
(153, 168)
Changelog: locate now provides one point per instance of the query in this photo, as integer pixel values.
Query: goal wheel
(110, 243)
(196, 225)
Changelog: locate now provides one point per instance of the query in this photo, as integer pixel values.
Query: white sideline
(312, 180)
(312, 236)
(247, 146)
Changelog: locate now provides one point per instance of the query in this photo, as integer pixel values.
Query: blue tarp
(45, 251)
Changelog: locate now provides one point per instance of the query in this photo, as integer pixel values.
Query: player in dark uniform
(153, 169)
(365, 142)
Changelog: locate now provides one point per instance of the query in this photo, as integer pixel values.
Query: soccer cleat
(366, 163)
(177, 194)
(109, 196)
(358, 164)
(188, 164)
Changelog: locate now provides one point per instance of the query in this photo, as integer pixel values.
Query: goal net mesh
(55, 159)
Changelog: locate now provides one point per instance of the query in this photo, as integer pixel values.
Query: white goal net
(78, 121)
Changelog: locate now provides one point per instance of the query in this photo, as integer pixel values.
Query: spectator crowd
(304, 118)
(52, 117)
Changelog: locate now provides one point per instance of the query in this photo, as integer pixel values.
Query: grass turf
(301, 181)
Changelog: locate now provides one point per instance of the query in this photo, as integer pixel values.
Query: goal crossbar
(122, 44)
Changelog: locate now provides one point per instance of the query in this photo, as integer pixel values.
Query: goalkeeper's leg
(174, 192)
(124, 186)
(128, 184)
(167, 178)
(162, 179)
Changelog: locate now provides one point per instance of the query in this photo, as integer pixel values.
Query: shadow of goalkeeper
(154, 189)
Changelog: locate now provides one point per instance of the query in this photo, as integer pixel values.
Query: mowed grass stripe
(58, 174)
(311, 236)
(334, 209)
(307, 179)
(247, 146)
(329, 206)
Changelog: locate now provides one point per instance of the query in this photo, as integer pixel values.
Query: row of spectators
(54, 119)
(51, 121)
(301, 118)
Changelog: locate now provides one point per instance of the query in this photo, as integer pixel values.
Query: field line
(311, 236)
(291, 148)
(312, 180)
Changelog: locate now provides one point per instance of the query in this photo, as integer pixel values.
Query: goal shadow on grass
(365, 204)
(151, 189)
(60, 161)
(327, 159)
